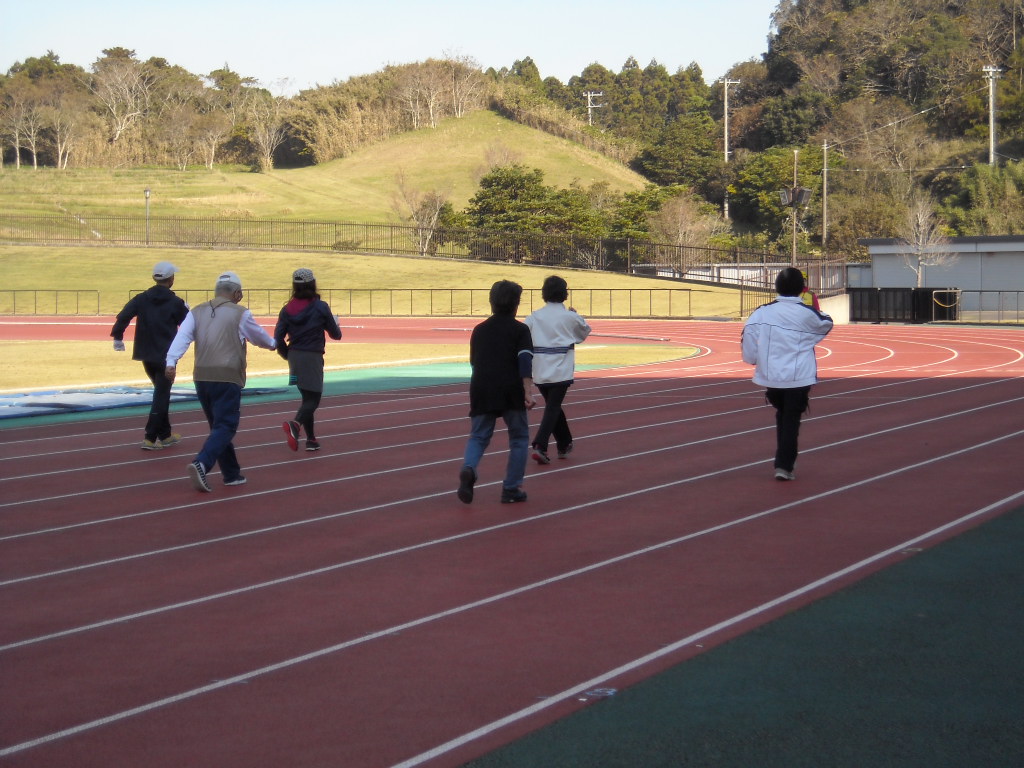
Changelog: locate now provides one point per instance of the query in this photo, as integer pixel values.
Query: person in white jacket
(556, 331)
(779, 340)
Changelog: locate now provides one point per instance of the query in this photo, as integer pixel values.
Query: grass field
(116, 273)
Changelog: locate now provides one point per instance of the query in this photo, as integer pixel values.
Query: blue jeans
(480, 433)
(222, 404)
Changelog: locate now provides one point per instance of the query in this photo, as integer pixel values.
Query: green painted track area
(918, 665)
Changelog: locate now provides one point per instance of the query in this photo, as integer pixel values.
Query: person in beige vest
(220, 329)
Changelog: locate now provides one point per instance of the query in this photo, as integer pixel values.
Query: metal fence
(49, 302)
(383, 302)
(569, 251)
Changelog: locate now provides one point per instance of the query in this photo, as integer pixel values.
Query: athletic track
(345, 609)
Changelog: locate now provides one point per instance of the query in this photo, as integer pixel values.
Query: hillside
(360, 187)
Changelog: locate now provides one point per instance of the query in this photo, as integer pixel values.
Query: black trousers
(159, 423)
(553, 421)
(310, 402)
(789, 405)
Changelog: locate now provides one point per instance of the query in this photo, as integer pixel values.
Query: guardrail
(380, 302)
(49, 302)
(574, 251)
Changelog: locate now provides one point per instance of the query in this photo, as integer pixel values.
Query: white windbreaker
(556, 329)
(779, 339)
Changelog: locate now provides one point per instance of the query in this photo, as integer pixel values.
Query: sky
(290, 45)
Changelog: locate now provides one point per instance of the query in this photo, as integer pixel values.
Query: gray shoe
(784, 474)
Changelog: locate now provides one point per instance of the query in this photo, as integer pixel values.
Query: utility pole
(824, 198)
(591, 106)
(992, 73)
(726, 82)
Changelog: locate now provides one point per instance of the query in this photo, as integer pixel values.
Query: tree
(425, 209)
(922, 231)
(685, 152)
(266, 126)
(684, 219)
(122, 88)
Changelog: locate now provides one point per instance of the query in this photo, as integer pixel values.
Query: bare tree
(922, 231)
(683, 220)
(267, 127)
(467, 83)
(422, 208)
(121, 85)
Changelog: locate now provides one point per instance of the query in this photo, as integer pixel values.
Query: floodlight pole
(146, 192)
(796, 154)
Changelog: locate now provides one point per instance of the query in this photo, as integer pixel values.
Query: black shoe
(512, 495)
(197, 474)
(563, 452)
(240, 480)
(467, 479)
(312, 445)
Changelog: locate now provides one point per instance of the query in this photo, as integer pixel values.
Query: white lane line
(605, 678)
(634, 664)
(489, 529)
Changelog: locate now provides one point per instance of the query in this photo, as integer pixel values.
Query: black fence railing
(705, 264)
(388, 302)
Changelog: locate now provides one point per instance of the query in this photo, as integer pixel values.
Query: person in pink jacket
(556, 330)
(779, 339)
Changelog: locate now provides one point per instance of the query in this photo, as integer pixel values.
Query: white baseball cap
(229, 277)
(164, 270)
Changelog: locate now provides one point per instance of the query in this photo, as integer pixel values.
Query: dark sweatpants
(789, 405)
(159, 423)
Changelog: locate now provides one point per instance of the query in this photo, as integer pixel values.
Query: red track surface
(345, 609)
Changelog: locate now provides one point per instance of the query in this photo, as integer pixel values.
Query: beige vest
(220, 353)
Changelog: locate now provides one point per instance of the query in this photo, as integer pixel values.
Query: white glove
(118, 346)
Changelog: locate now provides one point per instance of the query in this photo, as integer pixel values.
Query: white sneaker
(782, 474)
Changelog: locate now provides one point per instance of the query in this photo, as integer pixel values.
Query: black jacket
(159, 312)
(305, 322)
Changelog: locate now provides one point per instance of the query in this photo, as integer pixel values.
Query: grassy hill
(358, 188)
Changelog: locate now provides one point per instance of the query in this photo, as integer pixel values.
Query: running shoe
(240, 480)
(172, 439)
(312, 445)
(784, 474)
(197, 473)
(563, 452)
(541, 457)
(151, 445)
(291, 431)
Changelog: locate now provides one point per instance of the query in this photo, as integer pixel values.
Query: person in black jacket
(158, 312)
(304, 320)
(501, 355)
